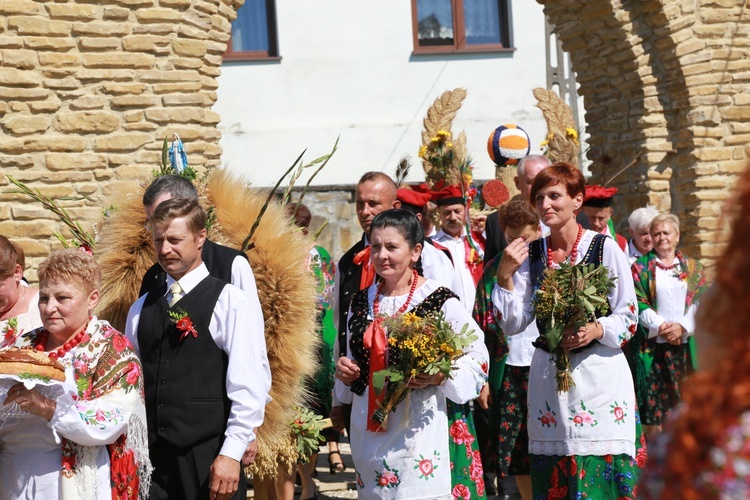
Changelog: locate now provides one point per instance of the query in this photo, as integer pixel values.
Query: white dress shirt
(633, 252)
(463, 282)
(237, 328)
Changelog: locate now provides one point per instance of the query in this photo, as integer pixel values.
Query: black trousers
(183, 473)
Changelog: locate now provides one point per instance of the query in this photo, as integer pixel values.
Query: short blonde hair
(71, 265)
(660, 219)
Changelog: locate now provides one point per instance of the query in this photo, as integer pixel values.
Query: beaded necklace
(66, 347)
(664, 267)
(402, 309)
(573, 253)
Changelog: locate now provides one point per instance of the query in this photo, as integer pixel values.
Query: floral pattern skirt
(467, 473)
(509, 438)
(574, 477)
(670, 367)
(594, 477)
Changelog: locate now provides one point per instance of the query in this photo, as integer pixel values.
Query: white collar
(190, 280)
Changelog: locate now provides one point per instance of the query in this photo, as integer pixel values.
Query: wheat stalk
(441, 113)
(558, 115)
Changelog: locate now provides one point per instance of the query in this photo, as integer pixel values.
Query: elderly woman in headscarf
(86, 438)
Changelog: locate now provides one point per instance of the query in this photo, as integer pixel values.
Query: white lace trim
(595, 448)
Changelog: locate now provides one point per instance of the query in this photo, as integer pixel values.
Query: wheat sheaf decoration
(562, 136)
(442, 156)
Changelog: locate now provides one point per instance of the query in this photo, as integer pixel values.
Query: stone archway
(666, 84)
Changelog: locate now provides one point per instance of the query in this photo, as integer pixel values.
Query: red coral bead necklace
(66, 347)
(402, 309)
(573, 253)
(664, 267)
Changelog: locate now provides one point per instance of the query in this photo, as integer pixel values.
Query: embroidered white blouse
(392, 464)
(597, 415)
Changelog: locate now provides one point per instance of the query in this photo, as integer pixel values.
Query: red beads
(66, 347)
(573, 253)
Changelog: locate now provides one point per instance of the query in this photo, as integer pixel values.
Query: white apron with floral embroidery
(410, 460)
(596, 416)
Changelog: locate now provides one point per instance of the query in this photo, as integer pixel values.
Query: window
(253, 32)
(461, 25)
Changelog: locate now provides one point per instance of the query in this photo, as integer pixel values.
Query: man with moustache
(467, 253)
(200, 421)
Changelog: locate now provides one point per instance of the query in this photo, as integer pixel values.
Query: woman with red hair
(582, 442)
(705, 450)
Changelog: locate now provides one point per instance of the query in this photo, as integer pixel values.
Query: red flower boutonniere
(183, 323)
(682, 276)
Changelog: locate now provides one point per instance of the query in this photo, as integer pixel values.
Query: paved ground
(342, 485)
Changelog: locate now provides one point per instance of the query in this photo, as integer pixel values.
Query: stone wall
(666, 84)
(88, 91)
(334, 204)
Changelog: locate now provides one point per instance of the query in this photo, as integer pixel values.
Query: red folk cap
(449, 195)
(599, 196)
(412, 197)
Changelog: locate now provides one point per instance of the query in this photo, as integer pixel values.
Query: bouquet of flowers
(570, 296)
(421, 345)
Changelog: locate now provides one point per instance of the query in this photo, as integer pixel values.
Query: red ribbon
(367, 277)
(374, 340)
(475, 267)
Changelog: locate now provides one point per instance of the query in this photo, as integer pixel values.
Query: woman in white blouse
(85, 438)
(409, 458)
(662, 354)
(582, 443)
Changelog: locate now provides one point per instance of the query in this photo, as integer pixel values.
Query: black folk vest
(185, 380)
(538, 263)
(218, 260)
(348, 286)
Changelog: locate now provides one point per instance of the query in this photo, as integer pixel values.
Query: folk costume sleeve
(108, 377)
(514, 310)
(643, 271)
(469, 373)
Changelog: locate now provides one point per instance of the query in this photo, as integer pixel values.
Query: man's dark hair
(176, 185)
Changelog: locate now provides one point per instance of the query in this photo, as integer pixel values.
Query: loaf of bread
(30, 363)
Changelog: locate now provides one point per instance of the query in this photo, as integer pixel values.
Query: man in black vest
(224, 263)
(206, 372)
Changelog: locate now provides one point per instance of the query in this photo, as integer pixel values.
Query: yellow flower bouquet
(418, 345)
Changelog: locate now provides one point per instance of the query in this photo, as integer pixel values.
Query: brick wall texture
(89, 89)
(665, 83)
